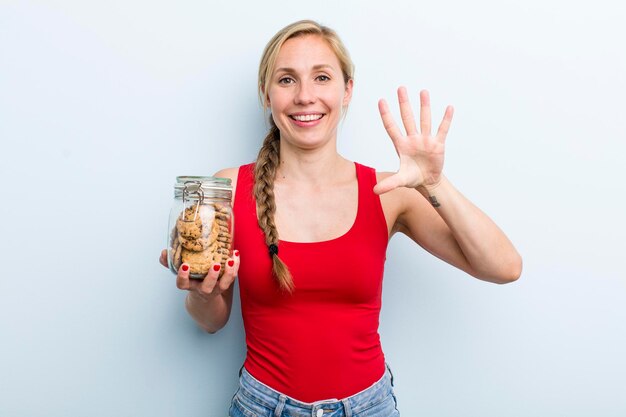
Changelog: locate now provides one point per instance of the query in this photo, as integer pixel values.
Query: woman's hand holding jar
(209, 300)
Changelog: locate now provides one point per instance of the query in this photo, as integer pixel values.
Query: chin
(309, 143)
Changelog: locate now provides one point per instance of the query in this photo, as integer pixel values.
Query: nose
(305, 93)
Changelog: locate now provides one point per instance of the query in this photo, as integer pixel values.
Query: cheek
(277, 101)
(336, 97)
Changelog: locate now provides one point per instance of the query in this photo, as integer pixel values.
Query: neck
(312, 166)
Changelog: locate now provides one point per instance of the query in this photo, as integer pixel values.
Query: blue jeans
(255, 399)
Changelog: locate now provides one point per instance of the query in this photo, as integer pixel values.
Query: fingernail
(216, 267)
(231, 263)
(185, 268)
(236, 253)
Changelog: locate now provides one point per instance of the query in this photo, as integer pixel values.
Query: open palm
(421, 154)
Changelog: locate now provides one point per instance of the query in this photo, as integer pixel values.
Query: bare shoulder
(399, 203)
(392, 203)
(381, 175)
(230, 173)
(227, 173)
(396, 197)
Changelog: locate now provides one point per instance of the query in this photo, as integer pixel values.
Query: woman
(313, 229)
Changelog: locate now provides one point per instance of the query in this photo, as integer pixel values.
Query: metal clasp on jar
(193, 189)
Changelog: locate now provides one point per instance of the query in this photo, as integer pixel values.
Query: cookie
(173, 235)
(176, 252)
(189, 229)
(217, 258)
(191, 214)
(196, 245)
(222, 208)
(224, 238)
(214, 246)
(195, 222)
(199, 262)
(224, 249)
(224, 217)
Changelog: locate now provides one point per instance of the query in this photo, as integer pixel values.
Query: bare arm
(430, 210)
(209, 301)
(452, 228)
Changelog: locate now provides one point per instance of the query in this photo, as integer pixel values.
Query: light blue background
(102, 104)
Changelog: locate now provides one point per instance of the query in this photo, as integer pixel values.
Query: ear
(266, 98)
(347, 96)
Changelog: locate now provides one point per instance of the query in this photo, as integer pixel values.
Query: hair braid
(264, 174)
(269, 156)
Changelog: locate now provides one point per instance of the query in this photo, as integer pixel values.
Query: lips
(307, 117)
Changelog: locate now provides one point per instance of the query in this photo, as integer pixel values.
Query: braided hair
(268, 159)
(264, 174)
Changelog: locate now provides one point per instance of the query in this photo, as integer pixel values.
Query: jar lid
(194, 187)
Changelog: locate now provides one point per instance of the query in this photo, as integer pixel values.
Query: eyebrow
(315, 67)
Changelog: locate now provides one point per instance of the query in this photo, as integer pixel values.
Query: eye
(323, 78)
(285, 80)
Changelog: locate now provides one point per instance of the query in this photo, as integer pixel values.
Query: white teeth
(307, 118)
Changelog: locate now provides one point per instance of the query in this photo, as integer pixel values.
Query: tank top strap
(369, 202)
(244, 207)
(244, 193)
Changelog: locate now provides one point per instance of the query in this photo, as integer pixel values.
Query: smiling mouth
(307, 117)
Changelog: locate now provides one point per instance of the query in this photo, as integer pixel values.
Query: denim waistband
(270, 398)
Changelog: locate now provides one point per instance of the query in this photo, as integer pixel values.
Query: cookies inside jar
(201, 237)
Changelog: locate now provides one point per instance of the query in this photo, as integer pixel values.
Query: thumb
(390, 183)
(163, 258)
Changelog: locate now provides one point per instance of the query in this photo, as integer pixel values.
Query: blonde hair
(268, 159)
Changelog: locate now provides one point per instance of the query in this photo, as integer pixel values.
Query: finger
(390, 183)
(425, 112)
(163, 258)
(444, 127)
(210, 280)
(390, 126)
(232, 269)
(182, 278)
(237, 259)
(406, 112)
(230, 272)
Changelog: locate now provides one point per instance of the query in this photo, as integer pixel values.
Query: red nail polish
(185, 268)
(231, 263)
(236, 253)
(216, 267)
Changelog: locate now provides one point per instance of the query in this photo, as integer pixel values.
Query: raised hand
(421, 154)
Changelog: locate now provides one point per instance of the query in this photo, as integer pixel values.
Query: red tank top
(322, 341)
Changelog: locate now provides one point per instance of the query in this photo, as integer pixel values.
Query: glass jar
(200, 225)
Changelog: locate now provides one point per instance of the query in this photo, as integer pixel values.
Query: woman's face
(307, 92)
